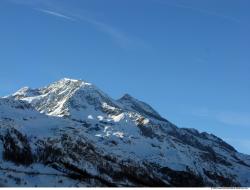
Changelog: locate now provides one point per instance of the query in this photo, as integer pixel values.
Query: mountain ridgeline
(71, 134)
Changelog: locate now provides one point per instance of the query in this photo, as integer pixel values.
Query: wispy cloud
(53, 13)
(120, 37)
(202, 11)
(234, 118)
(56, 9)
(200, 112)
(225, 117)
(117, 35)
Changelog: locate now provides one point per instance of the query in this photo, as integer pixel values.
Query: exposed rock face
(70, 133)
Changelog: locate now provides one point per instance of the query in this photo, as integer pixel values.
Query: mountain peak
(66, 97)
(126, 97)
(72, 81)
(131, 103)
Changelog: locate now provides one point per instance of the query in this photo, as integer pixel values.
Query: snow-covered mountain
(70, 133)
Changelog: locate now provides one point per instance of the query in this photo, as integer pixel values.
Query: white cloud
(53, 13)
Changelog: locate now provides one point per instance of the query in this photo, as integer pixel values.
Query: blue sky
(190, 59)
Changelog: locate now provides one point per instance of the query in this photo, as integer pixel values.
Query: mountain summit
(71, 133)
